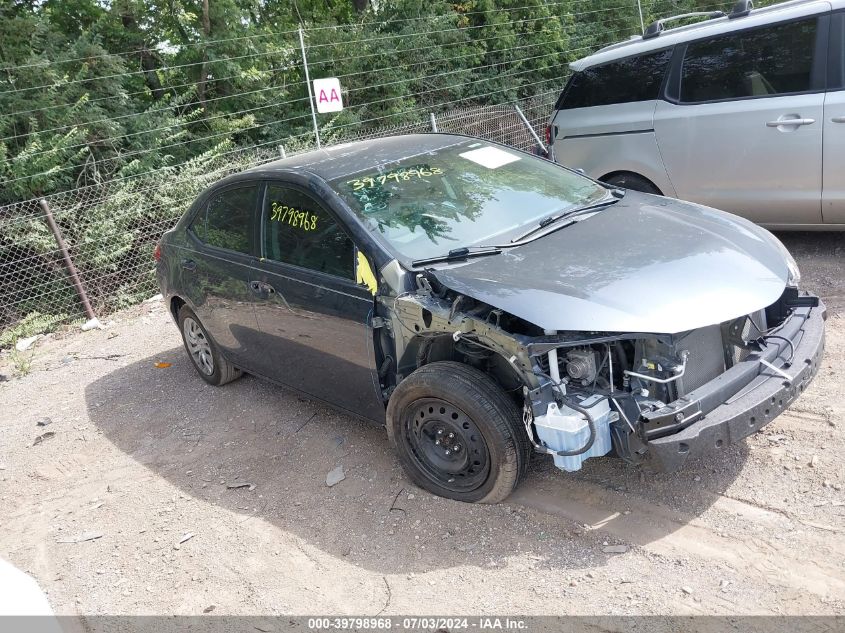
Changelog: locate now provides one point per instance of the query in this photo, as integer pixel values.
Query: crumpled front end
(642, 396)
(667, 398)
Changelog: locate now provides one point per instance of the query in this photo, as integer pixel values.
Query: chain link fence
(110, 230)
(99, 234)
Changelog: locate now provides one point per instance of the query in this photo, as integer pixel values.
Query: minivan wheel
(203, 352)
(627, 180)
(457, 434)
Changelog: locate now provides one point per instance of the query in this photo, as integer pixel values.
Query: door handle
(787, 122)
(838, 119)
(189, 264)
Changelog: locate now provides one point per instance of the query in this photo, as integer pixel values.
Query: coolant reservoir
(565, 429)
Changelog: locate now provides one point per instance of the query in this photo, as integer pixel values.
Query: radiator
(706, 357)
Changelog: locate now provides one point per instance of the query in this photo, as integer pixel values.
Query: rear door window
(624, 81)
(226, 221)
(770, 61)
(299, 231)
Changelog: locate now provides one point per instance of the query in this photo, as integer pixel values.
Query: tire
(448, 406)
(632, 181)
(203, 351)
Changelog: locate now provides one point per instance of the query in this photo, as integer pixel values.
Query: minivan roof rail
(657, 27)
(739, 10)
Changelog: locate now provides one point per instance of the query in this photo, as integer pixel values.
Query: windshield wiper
(616, 196)
(464, 252)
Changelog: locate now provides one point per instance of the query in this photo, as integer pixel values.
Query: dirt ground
(144, 462)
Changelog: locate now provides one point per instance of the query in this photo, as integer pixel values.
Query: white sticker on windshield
(490, 157)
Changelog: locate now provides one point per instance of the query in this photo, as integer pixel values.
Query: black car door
(315, 319)
(221, 247)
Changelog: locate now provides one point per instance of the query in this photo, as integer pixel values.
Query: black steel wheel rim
(446, 444)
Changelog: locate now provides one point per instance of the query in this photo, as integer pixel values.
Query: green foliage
(134, 106)
(32, 324)
(96, 91)
(22, 362)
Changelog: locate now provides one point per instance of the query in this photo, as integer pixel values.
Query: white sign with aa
(327, 95)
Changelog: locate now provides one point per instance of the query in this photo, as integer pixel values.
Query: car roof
(715, 26)
(342, 160)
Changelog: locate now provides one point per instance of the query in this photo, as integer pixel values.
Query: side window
(227, 219)
(297, 230)
(836, 58)
(764, 62)
(626, 81)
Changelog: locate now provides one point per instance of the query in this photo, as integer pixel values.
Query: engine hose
(590, 422)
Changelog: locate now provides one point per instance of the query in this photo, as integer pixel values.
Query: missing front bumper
(732, 407)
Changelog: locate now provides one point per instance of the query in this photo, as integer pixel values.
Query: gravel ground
(194, 499)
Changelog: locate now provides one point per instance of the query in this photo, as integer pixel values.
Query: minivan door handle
(788, 122)
(838, 119)
(189, 264)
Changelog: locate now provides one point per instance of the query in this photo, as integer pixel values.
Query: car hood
(645, 264)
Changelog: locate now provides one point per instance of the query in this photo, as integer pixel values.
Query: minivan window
(763, 62)
(299, 231)
(836, 58)
(226, 220)
(624, 81)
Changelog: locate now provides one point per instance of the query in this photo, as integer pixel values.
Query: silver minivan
(743, 112)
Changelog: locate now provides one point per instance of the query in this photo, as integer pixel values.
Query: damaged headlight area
(793, 273)
(636, 395)
(603, 393)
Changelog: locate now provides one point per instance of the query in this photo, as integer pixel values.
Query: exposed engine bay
(588, 394)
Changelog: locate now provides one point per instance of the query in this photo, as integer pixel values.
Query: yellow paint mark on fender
(364, 274)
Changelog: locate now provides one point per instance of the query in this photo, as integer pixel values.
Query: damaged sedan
(485, 304)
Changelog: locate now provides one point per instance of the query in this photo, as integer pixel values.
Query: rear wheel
(627, 180)
(457, 434)
(203, 352)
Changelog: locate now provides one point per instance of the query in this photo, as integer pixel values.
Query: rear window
(624, 81)
(764, 62)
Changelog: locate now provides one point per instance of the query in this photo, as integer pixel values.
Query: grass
(21, 361)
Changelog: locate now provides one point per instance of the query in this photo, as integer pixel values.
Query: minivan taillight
(157, 253)
(548, 135)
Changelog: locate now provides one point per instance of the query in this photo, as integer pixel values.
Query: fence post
(530, 128)
(308, 83)
(640, 10)
(433, 122)
(71, 269)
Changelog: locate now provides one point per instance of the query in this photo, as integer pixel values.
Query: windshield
(468, 194)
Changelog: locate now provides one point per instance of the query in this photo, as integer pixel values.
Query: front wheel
(457, 434)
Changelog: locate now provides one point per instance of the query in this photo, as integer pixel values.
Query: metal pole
(308, 82)
(74, 276)
(530, 128)
(640, 9)
(433, 122)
